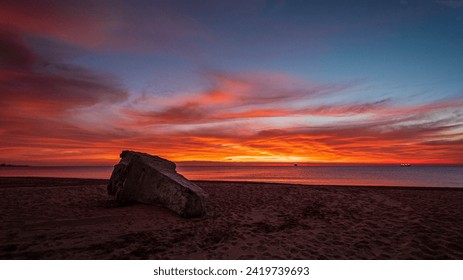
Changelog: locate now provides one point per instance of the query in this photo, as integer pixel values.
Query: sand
(46, 218)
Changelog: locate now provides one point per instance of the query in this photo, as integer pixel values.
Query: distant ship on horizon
(405, 164)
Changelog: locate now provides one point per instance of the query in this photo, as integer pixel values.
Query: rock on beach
(151, 179)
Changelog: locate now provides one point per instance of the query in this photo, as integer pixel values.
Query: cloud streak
(65, 114)
(57, 112)
(233, 97)
(224, 124)
(40, 112)
(48, 114)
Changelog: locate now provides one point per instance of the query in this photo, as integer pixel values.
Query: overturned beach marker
(153, 180)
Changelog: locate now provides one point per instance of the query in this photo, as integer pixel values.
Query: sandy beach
(49, 218)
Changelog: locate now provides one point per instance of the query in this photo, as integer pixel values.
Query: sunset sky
(231, 81)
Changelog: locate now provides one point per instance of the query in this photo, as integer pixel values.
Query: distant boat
(405, 164)
(295, 164)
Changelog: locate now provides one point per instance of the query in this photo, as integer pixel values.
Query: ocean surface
(414, 176)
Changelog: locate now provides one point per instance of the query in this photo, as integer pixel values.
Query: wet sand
(50, 218)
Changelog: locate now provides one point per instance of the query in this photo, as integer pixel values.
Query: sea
(393, 176)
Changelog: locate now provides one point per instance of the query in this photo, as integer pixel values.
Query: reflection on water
(93, 172)
(426, 176)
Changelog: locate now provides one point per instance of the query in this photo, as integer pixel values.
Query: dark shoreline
(20, 181)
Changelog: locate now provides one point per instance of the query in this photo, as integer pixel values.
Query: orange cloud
(62, 114)
(237, 97)
(214, 96)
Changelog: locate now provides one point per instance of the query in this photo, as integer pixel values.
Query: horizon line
(243, 163)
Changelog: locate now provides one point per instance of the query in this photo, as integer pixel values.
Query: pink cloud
(31, 84)
(41, 100)
(63, 113)
(253, 95)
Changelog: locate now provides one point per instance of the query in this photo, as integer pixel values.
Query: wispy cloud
(41, 103)
(254, 95)
(230, 122)
(54, 111)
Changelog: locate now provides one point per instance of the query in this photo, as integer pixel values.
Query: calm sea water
(416, 176)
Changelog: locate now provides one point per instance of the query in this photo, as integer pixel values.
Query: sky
(231, 81)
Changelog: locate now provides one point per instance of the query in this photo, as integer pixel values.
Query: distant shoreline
(23, 181)
(13, 165)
